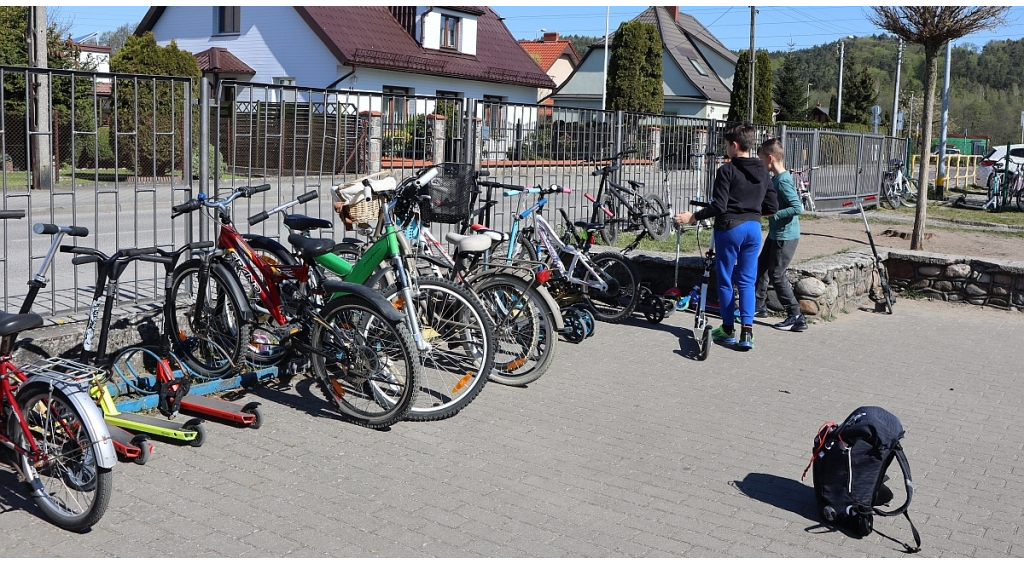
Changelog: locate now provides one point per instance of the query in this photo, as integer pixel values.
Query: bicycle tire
(229, 335)
(526, 251)
(450, 318)
(891, 193)
(524, 340)
(618, 305)
(610, 232)
(910, 192)
(376, 361)
(1020, 200)
(808, 198)
(74, 491)
(658, 227)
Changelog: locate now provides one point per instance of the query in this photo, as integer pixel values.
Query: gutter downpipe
(343, 77)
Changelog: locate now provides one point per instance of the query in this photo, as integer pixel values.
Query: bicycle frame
(547, 234)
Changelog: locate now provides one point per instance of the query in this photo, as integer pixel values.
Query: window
(447, 94)
(493, 106)
(284, 80)
(699, 68)
(229, 19)
(287, 95)
(394, 108)
(450, 32)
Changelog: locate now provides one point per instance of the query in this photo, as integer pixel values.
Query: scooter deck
(151, 425)
(217, 408)
(123, 442)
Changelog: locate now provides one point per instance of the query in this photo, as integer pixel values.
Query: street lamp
(807, 100)
(839, 97)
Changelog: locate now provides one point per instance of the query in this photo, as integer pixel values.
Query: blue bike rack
(135, 404)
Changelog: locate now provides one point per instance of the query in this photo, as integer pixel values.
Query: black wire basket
(451, 194)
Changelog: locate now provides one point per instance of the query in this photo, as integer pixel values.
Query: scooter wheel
(200, 431)
(575, 328)
(588, 321)
(142, 443)
(705, 344)
(655, 311)
(255, 411)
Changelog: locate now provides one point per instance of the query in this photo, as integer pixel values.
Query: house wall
(675, 82)
(430, 29)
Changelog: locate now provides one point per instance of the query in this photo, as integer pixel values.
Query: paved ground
(625, 448)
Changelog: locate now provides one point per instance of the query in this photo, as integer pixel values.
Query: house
(462, 51)
(557, 57)
(697, 69)
(820, 114)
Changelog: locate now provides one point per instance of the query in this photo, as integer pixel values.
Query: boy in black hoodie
(742, 193)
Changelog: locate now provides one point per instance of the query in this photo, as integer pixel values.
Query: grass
(687, 243)
(911, 294)
(1007, 217)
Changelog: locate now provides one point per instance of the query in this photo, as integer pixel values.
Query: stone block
(1018, 299)
(942, 285)
(1000, 291)
(831, 292)
(1020, 283)
(998, 303)
(900, 269)
(958, 270)
(954, 297)
(930, 293)
(919, 284)
(929, 271)
(1002, 279)
(975, 290)
(811, 287)
(808, 307)
(984, 277)
(976, 301)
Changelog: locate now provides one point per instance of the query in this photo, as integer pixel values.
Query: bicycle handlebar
(263, 215)
(12, 214)
(606, 211)
(553, 189)
(202, 200)
(51, 229)
(699, 204)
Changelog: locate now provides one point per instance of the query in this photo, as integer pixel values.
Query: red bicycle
(260, 308)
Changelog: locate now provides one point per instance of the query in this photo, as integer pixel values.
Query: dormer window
(229, 20)
(450, 32)
(700, 69)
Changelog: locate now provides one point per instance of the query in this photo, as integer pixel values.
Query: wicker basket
(364, 211)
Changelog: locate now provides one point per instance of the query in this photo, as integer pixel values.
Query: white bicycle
(898, 189)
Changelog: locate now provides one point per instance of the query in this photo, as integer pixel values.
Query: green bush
(222, 165)
(845, 126)
(87, 150)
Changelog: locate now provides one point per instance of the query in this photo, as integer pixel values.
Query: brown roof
(370, 36)
(547, 52)
(219, 59)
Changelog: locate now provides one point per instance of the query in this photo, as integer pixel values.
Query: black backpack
(849, 464)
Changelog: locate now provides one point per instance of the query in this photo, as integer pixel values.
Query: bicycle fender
(389, 311)
(102, 444)
(235, 287)
(273, 245)
(556, 311)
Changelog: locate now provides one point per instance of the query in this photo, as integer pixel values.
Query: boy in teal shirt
(783, 237)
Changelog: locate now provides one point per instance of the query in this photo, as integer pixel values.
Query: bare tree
(931, 27)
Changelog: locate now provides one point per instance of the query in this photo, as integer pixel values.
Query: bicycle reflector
(591, 239)
(543, 275)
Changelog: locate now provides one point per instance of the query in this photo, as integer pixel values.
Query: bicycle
(898, 189)
(803, 187)
(359, 349)
(453, 333)
(54, 434)
(649, 213)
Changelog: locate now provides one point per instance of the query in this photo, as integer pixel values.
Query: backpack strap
(823, 432)
(905, 467)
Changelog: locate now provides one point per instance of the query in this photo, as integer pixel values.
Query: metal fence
(123, 150)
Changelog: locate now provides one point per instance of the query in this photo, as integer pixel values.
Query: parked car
(991, 165)
(950, 149)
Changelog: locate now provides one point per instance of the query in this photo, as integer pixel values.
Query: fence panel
(109, 152)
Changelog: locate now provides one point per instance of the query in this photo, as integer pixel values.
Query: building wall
(675, 82)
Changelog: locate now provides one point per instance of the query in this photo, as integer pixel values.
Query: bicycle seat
(636, 183)
(494, 235)
(311, 247)
(11, 323)
(301, 222)
(469, 243)
(896, 162)
(589, 226)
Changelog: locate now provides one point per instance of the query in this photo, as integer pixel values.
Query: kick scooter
(700, 317)
(883, 279)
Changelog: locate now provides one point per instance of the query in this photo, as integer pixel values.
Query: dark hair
(743, 134)
(772, 147)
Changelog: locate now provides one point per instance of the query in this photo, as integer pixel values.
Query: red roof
(219, 59)
(549, 51)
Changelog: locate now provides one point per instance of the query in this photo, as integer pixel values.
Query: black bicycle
(623, 208)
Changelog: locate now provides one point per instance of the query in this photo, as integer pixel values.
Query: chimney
(674, 12)
(550, 36)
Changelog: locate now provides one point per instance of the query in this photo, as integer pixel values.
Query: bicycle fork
(410, 305)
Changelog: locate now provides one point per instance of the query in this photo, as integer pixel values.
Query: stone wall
(998, 284)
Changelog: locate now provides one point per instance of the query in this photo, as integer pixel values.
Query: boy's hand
(683, 218)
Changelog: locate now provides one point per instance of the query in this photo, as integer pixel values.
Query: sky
(776, 26)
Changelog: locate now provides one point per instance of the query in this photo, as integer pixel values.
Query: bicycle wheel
(658, 227)
(891, 192)
(523, 328)
(1020, 200)
(69, 487)
(623, 287)
(461, 337)
(368, 369)
(211, 342)
(808, 198)
(525, 250)
(610, 233)
(909, 193)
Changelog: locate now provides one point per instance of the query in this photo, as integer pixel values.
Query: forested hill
(986, 82)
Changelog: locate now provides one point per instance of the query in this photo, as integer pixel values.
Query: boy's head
(772, 155)
(743, 135)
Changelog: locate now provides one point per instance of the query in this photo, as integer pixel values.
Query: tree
(634, 69)
(117, 38)
(931, 27)
(61, 54)
(789, 92)
(161, 110)
(738, 102)
(763, 107)
(859, 92)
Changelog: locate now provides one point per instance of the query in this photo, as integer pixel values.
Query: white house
(458, 52)
(697, 70)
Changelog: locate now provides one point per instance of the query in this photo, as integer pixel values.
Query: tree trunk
(931, 76)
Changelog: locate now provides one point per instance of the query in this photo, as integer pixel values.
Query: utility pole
(807, 100)
(607, 47)
(750, 86)
(839, 96)
(940, 179)
(40, 159)
(896, 88)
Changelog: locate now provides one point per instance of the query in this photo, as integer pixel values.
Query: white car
(991, 164)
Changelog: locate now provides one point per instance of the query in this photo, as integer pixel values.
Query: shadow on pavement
(789, 494)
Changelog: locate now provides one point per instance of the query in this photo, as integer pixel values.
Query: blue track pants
(737, 247)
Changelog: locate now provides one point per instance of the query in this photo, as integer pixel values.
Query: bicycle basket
(365, 210)
(451, 194)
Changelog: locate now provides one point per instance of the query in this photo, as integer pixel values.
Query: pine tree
(790, 93)
(634, 69)
(858, 91)
(740, 84)
(763, 107)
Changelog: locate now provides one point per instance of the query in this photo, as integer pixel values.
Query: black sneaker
(793, 323)
(761, 312)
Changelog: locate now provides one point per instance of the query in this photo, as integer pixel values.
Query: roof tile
(549, 51)
(219, 59)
